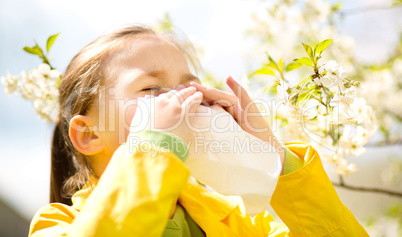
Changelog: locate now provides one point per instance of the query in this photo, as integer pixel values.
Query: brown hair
(78, 89)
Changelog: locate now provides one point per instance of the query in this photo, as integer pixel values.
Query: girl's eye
(151, 89)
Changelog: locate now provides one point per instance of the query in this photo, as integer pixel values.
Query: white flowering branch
(39, 85)
(328, 101)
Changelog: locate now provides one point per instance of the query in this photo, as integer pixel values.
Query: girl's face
(137, 68)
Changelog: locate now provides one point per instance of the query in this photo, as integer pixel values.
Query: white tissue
(232, 161)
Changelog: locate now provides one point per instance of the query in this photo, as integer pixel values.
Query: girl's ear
(84, 135)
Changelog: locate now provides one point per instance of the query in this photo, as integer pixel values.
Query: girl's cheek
(127, 114)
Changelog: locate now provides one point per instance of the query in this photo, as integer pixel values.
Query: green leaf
(319, 48)
(304, 60)
(337, 6)
(270, 90)
(264, 71)
(165, 24)
(294, 99)
(31, 50)
(293, 66)
(272, 63)
(303, 96)
(50, 41)
(309, 51)
(280, 65)
(396, 3)
(36, 50)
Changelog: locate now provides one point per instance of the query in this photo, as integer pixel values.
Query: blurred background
(232, 38)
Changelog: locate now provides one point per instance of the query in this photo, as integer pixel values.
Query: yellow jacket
(138, 188)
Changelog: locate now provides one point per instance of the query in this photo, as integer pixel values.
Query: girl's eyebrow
(156, 73)
(189, 77)
(161, 74)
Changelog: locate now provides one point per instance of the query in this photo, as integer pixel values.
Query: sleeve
(307, 202)
(52, 220)
(133, 196)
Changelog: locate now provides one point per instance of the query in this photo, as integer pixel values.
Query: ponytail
(61, 168)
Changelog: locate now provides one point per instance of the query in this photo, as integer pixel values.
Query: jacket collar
(79, 198)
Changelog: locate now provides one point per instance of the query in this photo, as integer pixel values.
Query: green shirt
(182, 225)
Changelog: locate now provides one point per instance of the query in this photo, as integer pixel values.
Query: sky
(218, 26)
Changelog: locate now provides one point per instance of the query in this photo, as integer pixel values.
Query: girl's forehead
(144, 45)
(146, 54)
(142, 50)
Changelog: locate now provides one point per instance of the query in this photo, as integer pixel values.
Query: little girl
(121, 190)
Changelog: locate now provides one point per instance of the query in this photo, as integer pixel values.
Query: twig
(394, 114)
(366, 9)
(385, 143)
(363, 189)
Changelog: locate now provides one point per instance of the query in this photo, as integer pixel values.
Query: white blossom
(397, 68)
(11, 83)
(343, 167)
(346, 98)
(381, 88)
(316, 11)
(352, 143)
(332, 158)
(282, 92)
(335, 76)
(44, 69)
(295, 131)
(40, 87)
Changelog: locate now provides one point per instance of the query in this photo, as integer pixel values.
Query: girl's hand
(244, 111)
(240, 106)
(170, 110)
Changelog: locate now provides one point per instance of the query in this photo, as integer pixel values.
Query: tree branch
(366, 9)
(363, 189)
(394, 114)
(384, 143)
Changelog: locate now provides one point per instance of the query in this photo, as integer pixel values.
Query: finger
(193, 101)
(227, 100)
(182, 95)
(248, 107)
(170, 92)
(239, 91)
(224, 98)
(179, 87)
